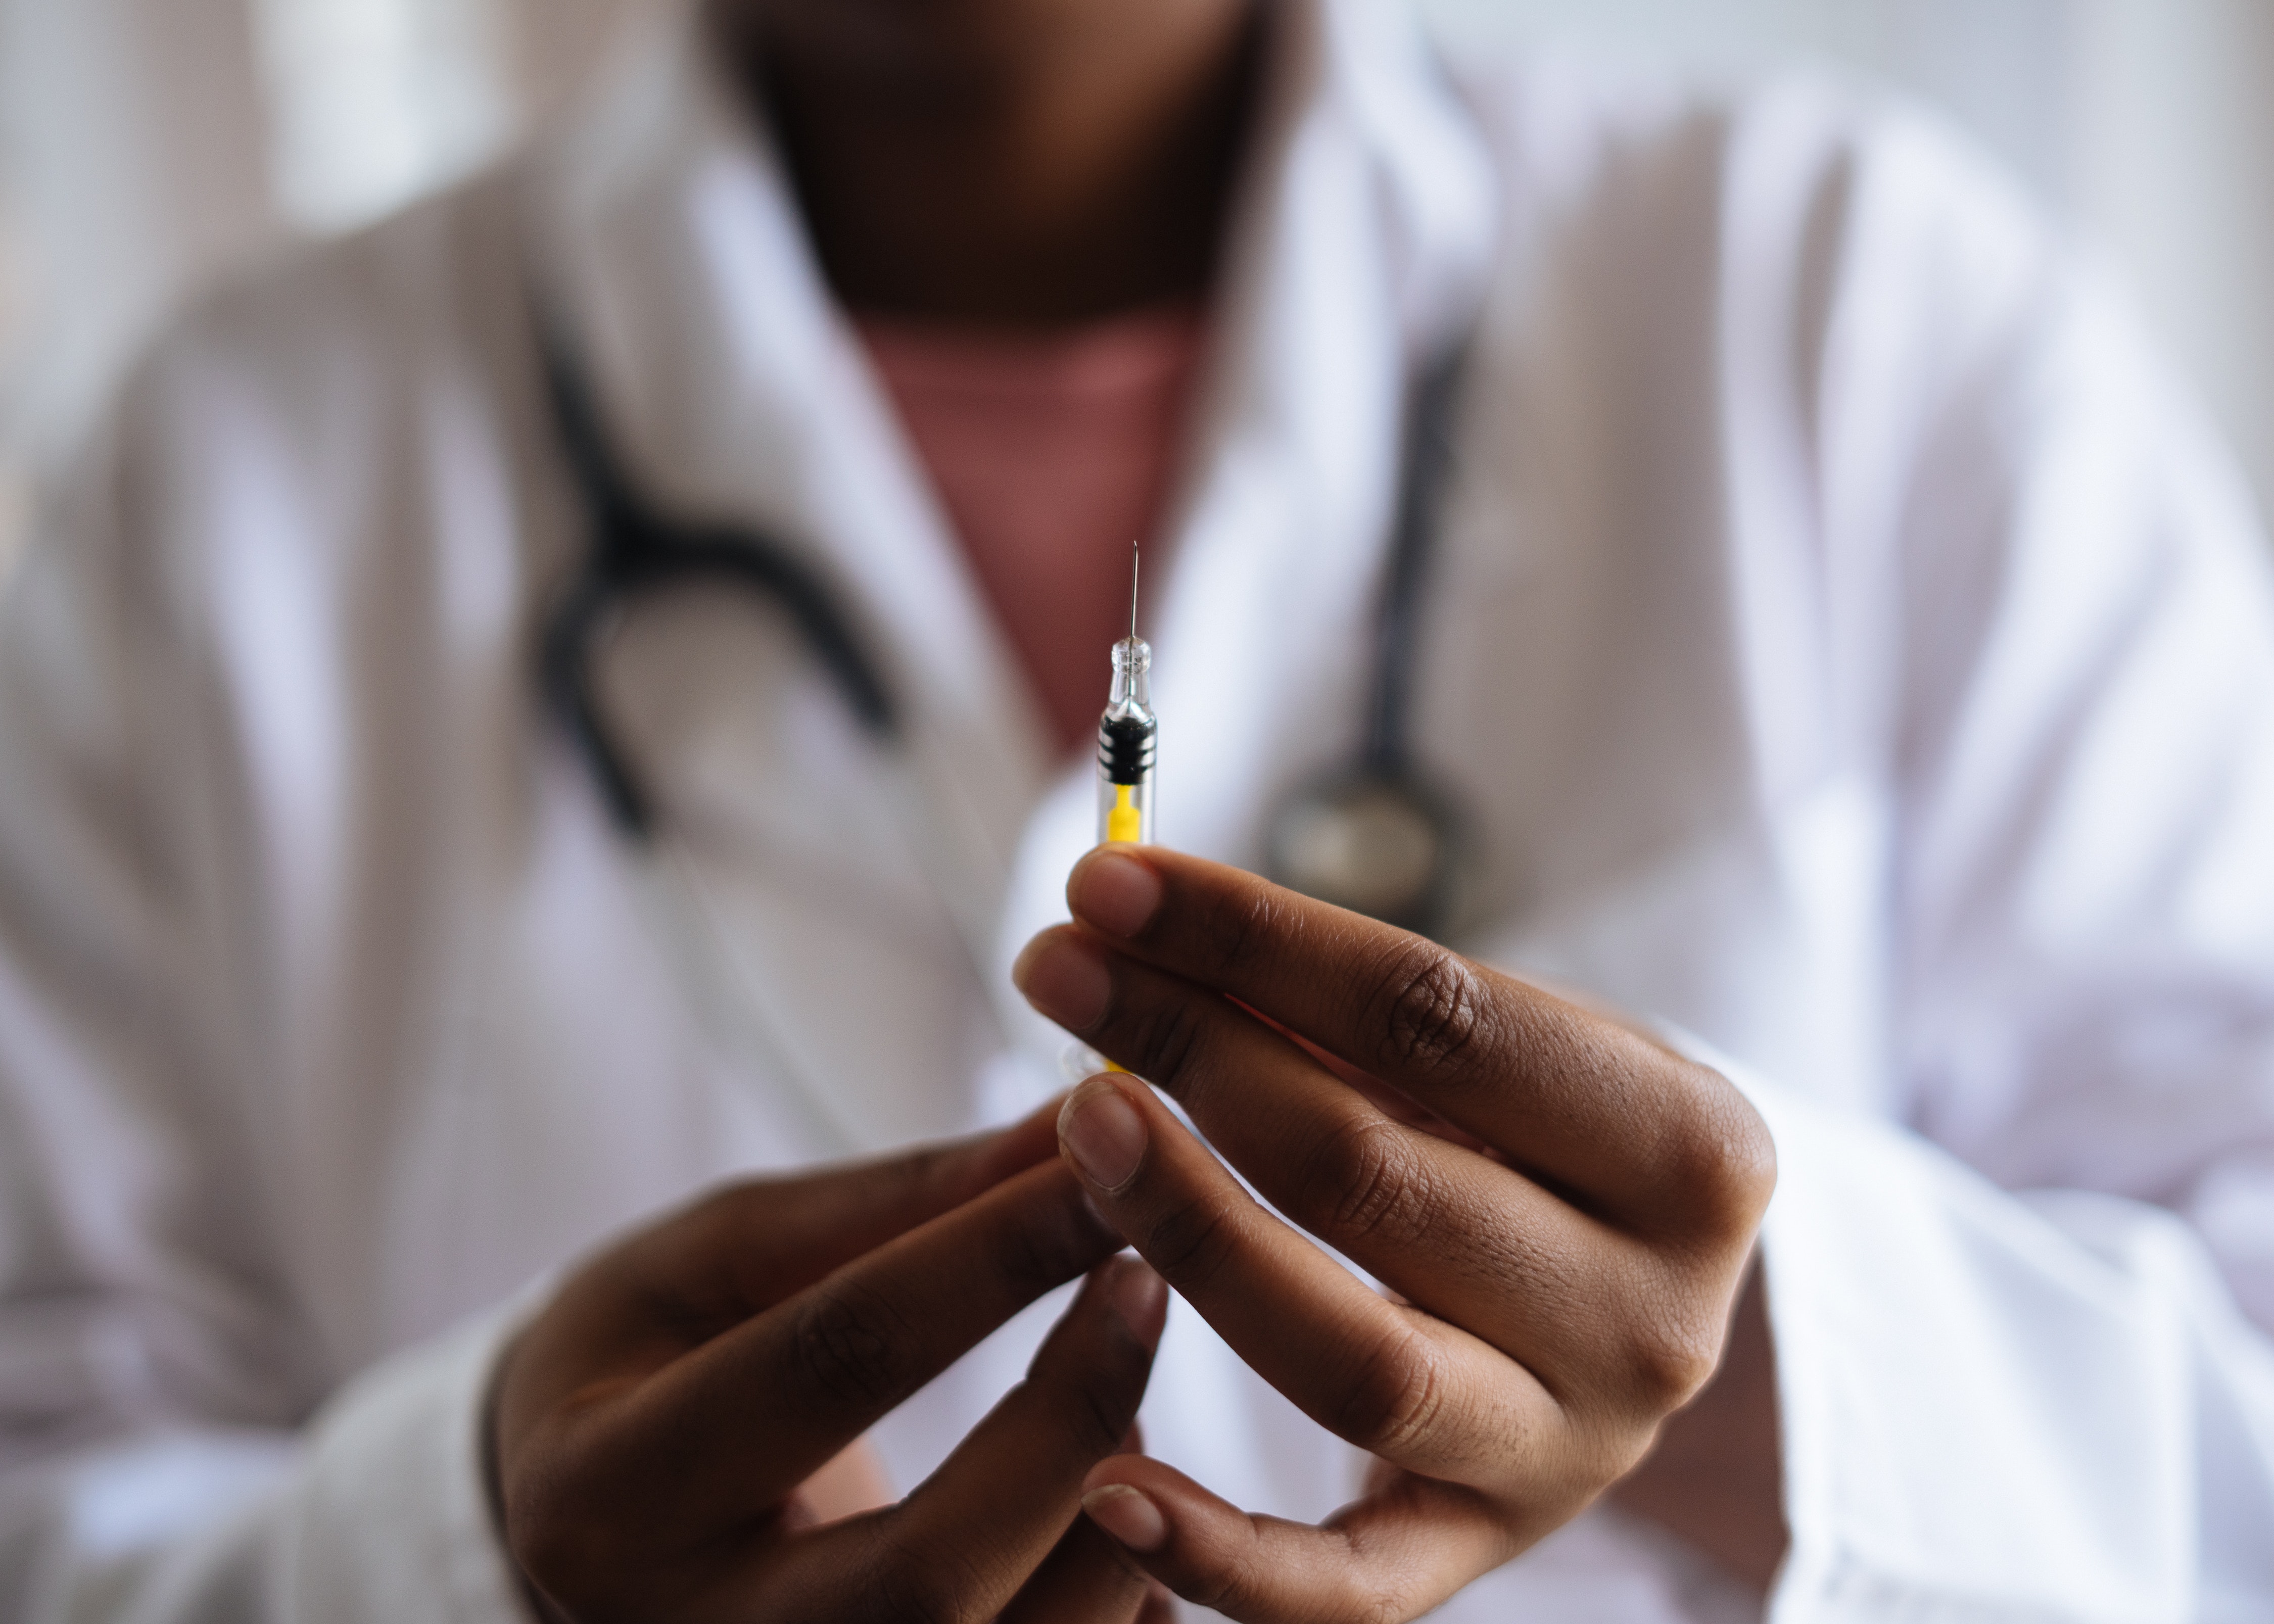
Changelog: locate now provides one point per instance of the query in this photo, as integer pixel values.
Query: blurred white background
(146, 145)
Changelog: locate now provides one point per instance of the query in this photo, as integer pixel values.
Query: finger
(1392, 1380)
(744, 1249)
(738, 1422)
(683, 1280)
(1087, 1579)
(1593, 1105)
(1087, 1576)
(1393, 1555)
(972, 1535)
(1468, 1239)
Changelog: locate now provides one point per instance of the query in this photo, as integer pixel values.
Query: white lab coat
(1852, 648)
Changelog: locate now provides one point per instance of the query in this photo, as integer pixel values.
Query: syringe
(1126, 734)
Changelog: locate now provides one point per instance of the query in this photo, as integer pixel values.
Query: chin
(940, 36)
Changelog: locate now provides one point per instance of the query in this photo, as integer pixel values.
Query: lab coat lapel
(1366, 237)
(742, 391)
(734, 389)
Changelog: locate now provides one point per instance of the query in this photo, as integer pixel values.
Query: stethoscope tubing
(635, 549)
(632, 549)
(1425, 469)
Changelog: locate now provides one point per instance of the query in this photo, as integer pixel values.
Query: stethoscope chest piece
(1377, 842)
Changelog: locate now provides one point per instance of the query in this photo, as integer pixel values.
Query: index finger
(741, 1249)
(737, 1423)
(973, 1535)
(1590, 1105)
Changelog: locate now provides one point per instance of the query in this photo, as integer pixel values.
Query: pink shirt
(1051, 454)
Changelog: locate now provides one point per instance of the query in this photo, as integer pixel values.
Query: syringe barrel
(1128, 738)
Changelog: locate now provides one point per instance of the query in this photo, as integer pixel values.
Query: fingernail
(1141, 1298)
(1103, 1133)
(1064, 979)
(1115, 893)
(1128, 1515)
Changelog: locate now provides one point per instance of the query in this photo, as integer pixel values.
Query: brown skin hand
(1038, 164)
(1715, 1480)
(1008, 163)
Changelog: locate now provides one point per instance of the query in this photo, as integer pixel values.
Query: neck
(1026, 170)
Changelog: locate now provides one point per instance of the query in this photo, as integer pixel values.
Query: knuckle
(919, 1585)
(1368, 1181)
(1670, 1356)
(935, 1172)
(1088, 1404)
(1728, 1167)
(1039, 1247)
(1100, 1419)
(1238, 1583)
(1749, 1162)
(1244, 1590)
(1189, 1241)
(1599, 1450)
(1244, 925)
(1170, 1041)
(1096, 1414)
(1433, 1009)
(1382, 1603)
(852, 1345)
(1230, 1590)
(1397, 1397)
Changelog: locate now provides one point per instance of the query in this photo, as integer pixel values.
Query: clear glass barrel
(1127, 736)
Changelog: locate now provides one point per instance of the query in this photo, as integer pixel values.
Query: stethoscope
(633, 550)
(1375, 834)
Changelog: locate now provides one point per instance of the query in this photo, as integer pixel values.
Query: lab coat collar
(736, 388)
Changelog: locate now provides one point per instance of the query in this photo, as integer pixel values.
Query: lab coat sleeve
(371, 1514)
(2021, 1330)
(157, 1460)
(1998, 1406)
